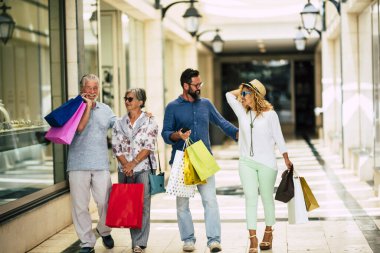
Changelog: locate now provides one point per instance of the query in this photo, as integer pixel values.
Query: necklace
(251, 153)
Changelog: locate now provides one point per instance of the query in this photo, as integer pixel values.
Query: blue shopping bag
(59, 116)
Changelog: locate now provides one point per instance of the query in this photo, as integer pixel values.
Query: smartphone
(185, 129)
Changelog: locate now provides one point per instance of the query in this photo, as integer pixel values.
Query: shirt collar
(182, 100)
(97, 106)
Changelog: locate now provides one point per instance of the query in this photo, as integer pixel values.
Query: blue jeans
(211, 214)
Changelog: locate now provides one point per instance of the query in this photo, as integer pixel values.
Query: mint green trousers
(255, 176)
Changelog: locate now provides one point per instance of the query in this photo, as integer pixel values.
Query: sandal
(252, 250)
(267, 245)
(137, 249)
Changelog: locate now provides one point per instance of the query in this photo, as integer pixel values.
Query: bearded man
(189, 116)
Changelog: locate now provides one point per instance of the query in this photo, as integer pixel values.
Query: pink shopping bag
(65, 134)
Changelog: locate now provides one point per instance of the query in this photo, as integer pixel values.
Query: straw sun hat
(257, 86)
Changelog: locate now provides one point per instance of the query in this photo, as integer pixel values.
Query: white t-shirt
(266, 132)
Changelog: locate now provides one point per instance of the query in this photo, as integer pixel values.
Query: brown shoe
(265, 245)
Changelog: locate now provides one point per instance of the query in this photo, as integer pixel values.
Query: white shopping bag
(297, 213)
(176, 185)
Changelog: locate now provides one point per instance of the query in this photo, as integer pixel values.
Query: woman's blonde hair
(260, 104)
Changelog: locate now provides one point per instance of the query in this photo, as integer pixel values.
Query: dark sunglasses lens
(244, 93)
(129, 99)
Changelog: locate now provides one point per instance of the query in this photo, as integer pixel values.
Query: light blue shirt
(88, 150)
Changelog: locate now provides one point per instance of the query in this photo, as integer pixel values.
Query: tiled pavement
(348, 219)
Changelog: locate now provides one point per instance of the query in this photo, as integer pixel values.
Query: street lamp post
(7, 24)
(300, 40)
(309, 17)
(310, 12)
(217, 42)
(191, 16)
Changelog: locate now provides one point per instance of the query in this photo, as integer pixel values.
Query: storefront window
(274, 74)
(90, 37)
(26, 157)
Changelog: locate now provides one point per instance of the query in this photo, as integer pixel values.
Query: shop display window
(26, 157)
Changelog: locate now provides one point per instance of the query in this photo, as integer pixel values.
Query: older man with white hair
(88, 166)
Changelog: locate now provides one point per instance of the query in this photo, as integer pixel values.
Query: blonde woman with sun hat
(259, 132)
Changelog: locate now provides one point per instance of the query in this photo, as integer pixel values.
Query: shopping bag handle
(150, 161)
(295, 173)
(189, 142)
(150, 165)
(158, 156)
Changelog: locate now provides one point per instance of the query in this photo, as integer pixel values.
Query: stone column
(365, 159)
(154, 75)
(350, 76)
(330, 94)
(191, 56)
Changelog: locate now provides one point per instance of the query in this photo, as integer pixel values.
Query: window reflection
(90, 36)
(274, 74)
(26, 161)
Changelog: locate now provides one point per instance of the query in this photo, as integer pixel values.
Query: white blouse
(266, 132)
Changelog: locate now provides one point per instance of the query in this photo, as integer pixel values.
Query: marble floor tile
(348, 219)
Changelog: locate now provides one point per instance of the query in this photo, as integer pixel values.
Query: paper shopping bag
(125, 206)
(65, 134)
(191, 175)
(59, 116)
(297, 213)
(202, 160)
(176, 185)
(310, 201)
(285, 190)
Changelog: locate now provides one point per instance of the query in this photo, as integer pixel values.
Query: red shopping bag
(125, 206)
(65, 134)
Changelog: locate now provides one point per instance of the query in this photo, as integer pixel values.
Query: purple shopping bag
(65, 134)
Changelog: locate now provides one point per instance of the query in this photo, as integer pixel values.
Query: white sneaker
(215, 247)
(188, 246)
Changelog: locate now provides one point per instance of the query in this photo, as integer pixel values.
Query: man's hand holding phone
(184, 133)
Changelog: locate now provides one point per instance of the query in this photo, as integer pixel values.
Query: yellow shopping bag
(191, 176)
(310, 201)
(202, 160)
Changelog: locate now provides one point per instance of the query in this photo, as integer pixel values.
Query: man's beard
(195, 94)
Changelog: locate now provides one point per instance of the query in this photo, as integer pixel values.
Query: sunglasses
(129, 99)
(243, 93)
